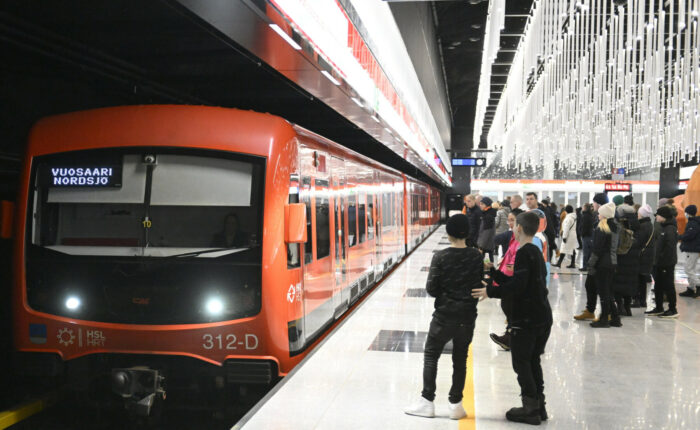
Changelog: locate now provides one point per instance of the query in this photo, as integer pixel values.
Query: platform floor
(644, 375)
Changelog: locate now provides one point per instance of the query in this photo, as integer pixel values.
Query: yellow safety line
(469, 423)
(13, 416)
(688, 327)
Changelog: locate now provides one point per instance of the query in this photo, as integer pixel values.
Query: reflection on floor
(644, 375)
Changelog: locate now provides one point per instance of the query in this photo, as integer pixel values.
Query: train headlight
(215, 306)
(72, 303)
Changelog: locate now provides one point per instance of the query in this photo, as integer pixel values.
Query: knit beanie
(665, 212)
(458, 226)
(646, 211)
(486, 201)
(691, 210)
(618, 200)
(601, 198)
(607, 210)
(628, 199)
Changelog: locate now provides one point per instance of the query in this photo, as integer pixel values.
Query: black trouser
(603, 280)
(587, 250)
(507, 307)
(623, 301)
(664, 279)
(440, 333)
(642, 289)
(591, 293)
(526, 347)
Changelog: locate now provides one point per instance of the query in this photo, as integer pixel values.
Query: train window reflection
(323, 242)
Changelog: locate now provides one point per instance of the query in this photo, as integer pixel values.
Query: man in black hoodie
(473, 213)
(530, 319)
(454, 273)
(665, 262)
(690, 245)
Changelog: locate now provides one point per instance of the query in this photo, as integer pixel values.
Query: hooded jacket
(690, 239)
(487, 229)
(454, 272)
(626, 278)
(647, 240)
(474, 215)
(502, 220)
(666, 255)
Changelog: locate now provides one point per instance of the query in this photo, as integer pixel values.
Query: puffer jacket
(647, 240)
(690, 239)
(502, 220)
(474, 215)
(587, 223)
(454, 272)
(666, 255)
(487, 229)
(604, 253)
(626, 275)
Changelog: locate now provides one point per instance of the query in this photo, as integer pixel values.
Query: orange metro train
(157, 241)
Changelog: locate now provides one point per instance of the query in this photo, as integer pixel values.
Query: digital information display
(618, 187)
(469, 162)
(89, 175)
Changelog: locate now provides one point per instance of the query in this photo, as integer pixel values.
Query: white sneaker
(421, 408)
(457, 411)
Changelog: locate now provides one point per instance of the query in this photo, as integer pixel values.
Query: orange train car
(163, 241)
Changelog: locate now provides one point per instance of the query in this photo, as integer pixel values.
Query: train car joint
(140, 387)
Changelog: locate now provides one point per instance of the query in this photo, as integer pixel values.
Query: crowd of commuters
(622, 246)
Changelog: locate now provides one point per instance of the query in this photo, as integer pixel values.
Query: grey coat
(502, 220)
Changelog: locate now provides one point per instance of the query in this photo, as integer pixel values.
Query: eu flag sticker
(37, 333)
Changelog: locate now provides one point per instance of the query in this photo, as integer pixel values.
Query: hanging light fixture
(601, 83)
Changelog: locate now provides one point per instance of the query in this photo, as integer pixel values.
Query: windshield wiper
(206, 251)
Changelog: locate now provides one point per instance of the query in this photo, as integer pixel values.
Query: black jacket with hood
(666, 255)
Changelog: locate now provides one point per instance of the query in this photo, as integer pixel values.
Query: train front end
(140, 250)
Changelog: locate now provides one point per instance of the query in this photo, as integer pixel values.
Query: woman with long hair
(602, 265)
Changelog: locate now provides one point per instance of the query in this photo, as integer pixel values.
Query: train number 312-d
(229, 341)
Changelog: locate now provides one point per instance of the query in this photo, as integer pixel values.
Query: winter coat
(454, 273)
(604, 253)
(666, 255)
(474, 215)
(550, 231)
(627, 212)
(502, 220)
(487, 230)
(587, 223)
(690, 239)
(569, 241)
(626, 276)
(647, 240)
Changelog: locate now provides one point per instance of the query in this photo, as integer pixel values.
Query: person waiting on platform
(588, 314)
(454, 273)
(231, 236)
(531, 318)
(665, 263)
(487, 229)
(690, 245)
(602, 265)
(472, 211)
(569, 240)
(646, 255)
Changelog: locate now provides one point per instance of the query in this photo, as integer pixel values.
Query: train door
(338, 181)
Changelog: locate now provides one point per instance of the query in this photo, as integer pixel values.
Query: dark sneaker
(583, 269)
(600, 324)
(689, 292)
(671, 313)
(654, 312)
(502, 341)
(616, 323)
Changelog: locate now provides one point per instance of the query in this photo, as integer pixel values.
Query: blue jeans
(587, 249)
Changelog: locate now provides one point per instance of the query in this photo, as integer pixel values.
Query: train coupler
(140, 387)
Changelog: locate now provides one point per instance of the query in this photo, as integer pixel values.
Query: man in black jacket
(454, 273)
(587, 222)
(531, 318)
(474, 214)
(665, 262)
(690, 245)
(550, 232)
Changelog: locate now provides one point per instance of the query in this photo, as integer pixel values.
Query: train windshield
(141, 231)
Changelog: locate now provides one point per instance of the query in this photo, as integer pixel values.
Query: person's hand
(479, 293)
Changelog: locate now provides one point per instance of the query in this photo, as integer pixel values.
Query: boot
(628, 307)
(529, 413)
(572, 265)
(586, 315)
(543, 411)
(615, 317)
(561, 259)
(603, 321)
(502, 341)
(689, 292)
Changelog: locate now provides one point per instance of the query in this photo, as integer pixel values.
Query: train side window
(306, 199)
(352, 218)
(361, 219)
(323, 240)
(294, 249)
(370, 217)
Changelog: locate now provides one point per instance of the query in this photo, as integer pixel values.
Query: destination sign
(471, 162)
(618, 187)
(108, 175)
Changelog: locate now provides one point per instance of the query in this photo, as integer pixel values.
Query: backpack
(626, 241)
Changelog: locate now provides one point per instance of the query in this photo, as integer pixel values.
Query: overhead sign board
(624, 187)
(618, 174)
(470, 162)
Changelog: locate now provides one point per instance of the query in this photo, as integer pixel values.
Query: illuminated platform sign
(624, 187)
(469, 162)
(84, 175)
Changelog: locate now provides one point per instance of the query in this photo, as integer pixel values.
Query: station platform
(644, 375)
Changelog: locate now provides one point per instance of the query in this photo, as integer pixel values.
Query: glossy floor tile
(644, 375)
